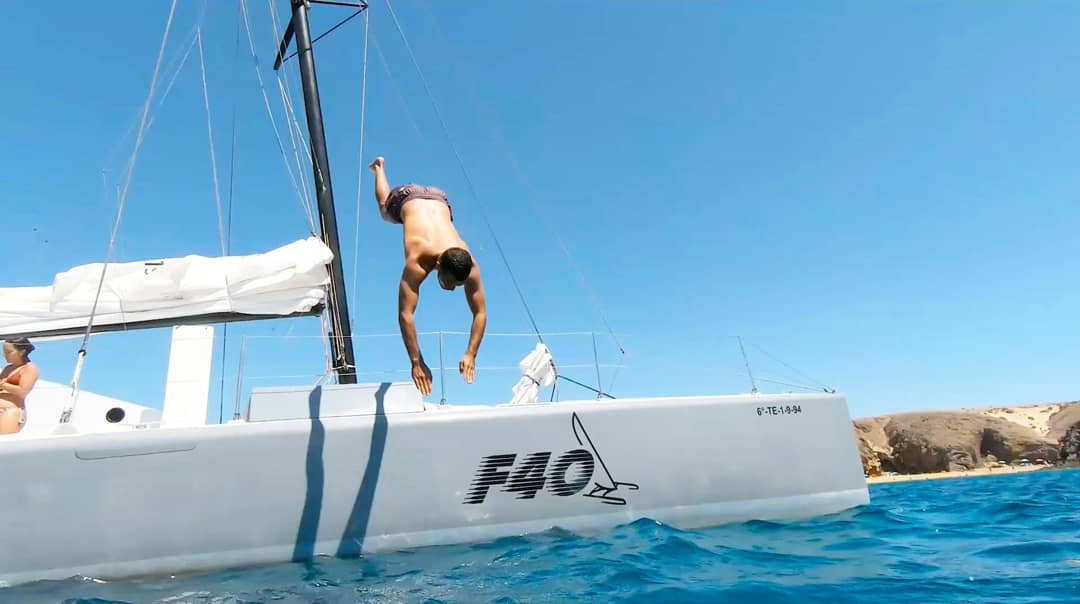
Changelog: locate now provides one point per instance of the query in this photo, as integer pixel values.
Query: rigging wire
(217, 191)
(65, 415)
(296, 132)
(273, 121)
(782, 383)
(296, 138)
(297, 135)
(464, 170)
(327, 32)
(820, 385)
(402, 103)
(531, 193)
(213, 154)
(360, 170)
(184, 52)
(300, 141)
(229, 203)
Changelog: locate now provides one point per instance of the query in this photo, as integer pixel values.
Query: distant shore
(926, 445)
(962, 474)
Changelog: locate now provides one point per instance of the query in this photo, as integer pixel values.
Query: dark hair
(457, 262)
(22, 345)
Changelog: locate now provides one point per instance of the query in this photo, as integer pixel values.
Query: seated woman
(16, 381)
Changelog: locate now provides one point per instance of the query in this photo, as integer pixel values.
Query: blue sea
(1008, 538)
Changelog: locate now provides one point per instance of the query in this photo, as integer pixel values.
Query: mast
(337, 306)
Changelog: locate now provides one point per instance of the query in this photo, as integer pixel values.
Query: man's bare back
(431, 243)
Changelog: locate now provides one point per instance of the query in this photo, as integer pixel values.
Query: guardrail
(584, 359)
(581, 355)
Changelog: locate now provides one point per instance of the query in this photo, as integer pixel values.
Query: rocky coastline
(971, 439)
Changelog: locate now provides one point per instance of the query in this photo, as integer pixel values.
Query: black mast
(337, 305)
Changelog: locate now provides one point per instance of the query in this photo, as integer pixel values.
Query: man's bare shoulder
(473, 281)
(414, 271)
(474, 289)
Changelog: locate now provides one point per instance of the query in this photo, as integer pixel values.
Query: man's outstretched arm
(382, 186)
(474, 294)
(408, 294)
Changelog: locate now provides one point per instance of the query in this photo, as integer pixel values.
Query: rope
(360, 171)
(270, 113)
(66, 413)
(465, 172)
(500, 139)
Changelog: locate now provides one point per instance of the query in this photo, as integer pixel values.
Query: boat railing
(585, 363)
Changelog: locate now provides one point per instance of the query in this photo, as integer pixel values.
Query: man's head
(454, 266)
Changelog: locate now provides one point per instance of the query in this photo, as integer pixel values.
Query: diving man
(431, 244)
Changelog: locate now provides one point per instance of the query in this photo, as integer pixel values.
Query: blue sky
(881, 195)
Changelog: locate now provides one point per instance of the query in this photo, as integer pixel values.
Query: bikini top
(14, 378)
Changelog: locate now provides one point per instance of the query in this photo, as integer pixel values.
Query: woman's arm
(27, 378)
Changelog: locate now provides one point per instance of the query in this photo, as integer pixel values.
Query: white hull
(381, 470)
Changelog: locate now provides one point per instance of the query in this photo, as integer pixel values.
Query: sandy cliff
(965, 439)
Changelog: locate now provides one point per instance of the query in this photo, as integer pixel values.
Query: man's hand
(421, 376)
(467, 367)
(474, 294)
(377, 164)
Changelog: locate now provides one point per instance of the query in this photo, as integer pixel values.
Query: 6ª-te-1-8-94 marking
(780, 410)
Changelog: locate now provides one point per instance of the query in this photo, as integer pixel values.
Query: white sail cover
(283, 281)
(537, 371)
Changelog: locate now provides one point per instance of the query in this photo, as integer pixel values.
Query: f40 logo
(532, 474)
(566, 475)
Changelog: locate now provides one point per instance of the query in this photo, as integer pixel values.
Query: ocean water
(1009, 538)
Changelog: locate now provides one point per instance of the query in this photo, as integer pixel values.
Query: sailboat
(115, 489)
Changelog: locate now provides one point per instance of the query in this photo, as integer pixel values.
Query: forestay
(285, 281)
